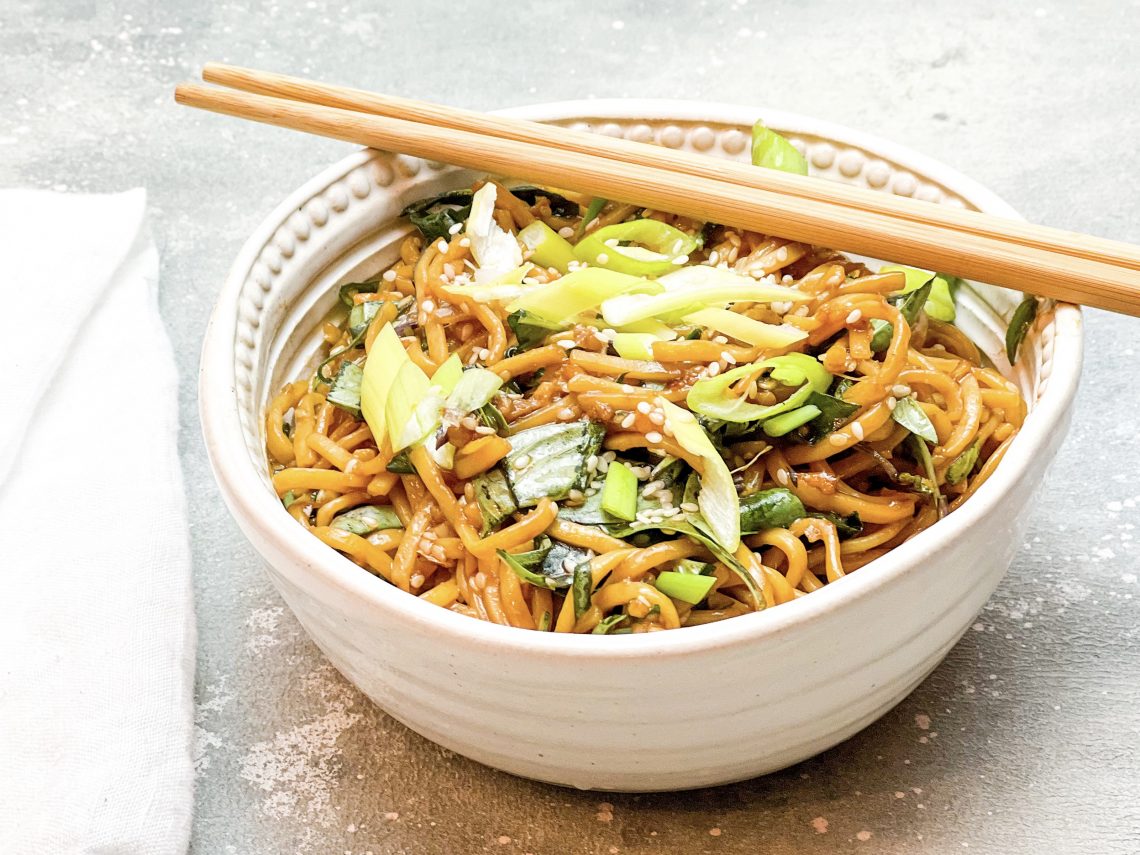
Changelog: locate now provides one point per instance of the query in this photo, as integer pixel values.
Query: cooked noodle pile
(581, 496)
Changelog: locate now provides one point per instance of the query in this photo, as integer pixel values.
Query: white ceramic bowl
(699, 706)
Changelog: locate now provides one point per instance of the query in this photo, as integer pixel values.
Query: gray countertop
(1025, 740)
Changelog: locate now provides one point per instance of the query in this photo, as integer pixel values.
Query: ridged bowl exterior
(696, 707)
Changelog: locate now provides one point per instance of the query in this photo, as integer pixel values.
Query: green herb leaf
(582, 589)
(789, 421)
(881, 332)
(351, 289)
(401, 465)
(778, 507)
(963, 464)
(608, 623)
(1019, 324)
(910, 304)
(833, 414)
(366, 519)
(345, 391)
(435, 217)
(490, 415)
(911, 416)
(550, 460)
(539, 580)
(845, 527)
(360, 316)
(922, 454)
(530, 330)
(494, 497)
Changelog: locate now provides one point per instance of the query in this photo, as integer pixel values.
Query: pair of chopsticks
(1043, 261)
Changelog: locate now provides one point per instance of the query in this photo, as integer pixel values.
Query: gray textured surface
(1025, 740)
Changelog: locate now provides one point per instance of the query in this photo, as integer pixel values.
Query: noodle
(854, 476)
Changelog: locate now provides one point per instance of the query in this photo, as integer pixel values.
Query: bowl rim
(258, 510)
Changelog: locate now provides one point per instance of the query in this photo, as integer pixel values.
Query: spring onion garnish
(619, 495)
(579, 291)
(772, 151)
(592, 211)
(685, 586)
(718, 501)
(383, 363)
(787, 422)
(711, 397)
(746, 329)
(472, 391)
(547, 247)
(1019, 324)
(635, 345)
(639, 248)
(582, 588)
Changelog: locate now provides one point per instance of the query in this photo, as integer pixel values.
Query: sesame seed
(653, 436)
(854, 317)
(567, 343)
(891, 403)
(690, 507)
(900, 390)
(441, 246)
(857, 430)
(566, 232)
(643, 407)
(628, 421)
(837, 439)
(389, 275)
(657, 417)
(465, 242)
(568, 565)
(455, 229)
(714, 369)
(565, 414)
(522, 461)
(609, 456)
(417, 580)
(714, 257)
(591, 491)
(681, 259)
(428, 307)
(480, 580)
(484, 354)
(603, 258)
(576, 496)
(651, 488)
(720, 339)
(782, 477)
(484, 430)
(728, 357)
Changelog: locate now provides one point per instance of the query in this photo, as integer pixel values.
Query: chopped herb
(911, 303)
(963, 464)
(350, 290)
(833, 414)
(550, 460)
(401, 465)
(360, 316)
(687, 587)
(288, 499)
(490, 415)
(845, 527)
(1019, 324)
(436, 216)
(345, 391)
(366, 519)
(530, 329)
(778, 507)
(539, 580)
(494, 497)
(582, 589)
(592, 211)
(881, 333)
(697, 568)
(606, 624)
(910, 415)
(560, 559)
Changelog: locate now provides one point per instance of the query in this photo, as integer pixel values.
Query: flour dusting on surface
(212, 699)
(298, 768)
(262, 624)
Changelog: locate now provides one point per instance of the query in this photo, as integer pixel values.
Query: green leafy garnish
(366, 519)
(963, 464)
(845, 527)
(539, 580)
(351, 289)
(1019, 324)
(436, 216)
(911, 416)
(401, 464)
(345, 391)
(550, 460)
(494, 497)
(778, 507)
(938, 302)
(929, 484)
(833, 414)
(710, 397)
(530, 330)
(288, 499)
(560, 206)
(582, 589)
(592, 211)
(608, 623)
(881, 332)
(490, 415)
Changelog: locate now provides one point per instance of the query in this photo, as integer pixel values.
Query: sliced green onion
(772, 151)
(448, 374)
(412, 410)
(654, 248)
(1019, 324)
(685, 586)
(384, 361)
(473, 390)
(619, 495)
(547, 247)
(576, 292)
(789, 421)
(635, 345)
(696, 568)
(718, 500)
(746, 329)
(710, 397)
(651, 326)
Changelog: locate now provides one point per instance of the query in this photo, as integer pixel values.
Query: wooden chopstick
(626, 151)
(922, 244)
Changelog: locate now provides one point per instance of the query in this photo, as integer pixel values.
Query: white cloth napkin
(96, 615)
